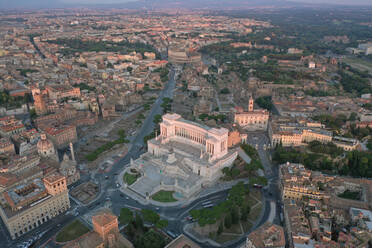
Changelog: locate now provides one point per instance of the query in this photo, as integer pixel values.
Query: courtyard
(85, 192)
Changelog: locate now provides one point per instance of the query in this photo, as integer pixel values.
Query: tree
(234, 215)
(139, 222)
(151, 239)
(33, 114)
(131, 231)
(226, 171)
(146, 106)
(220, 229)
(225, 91)
(353, 116)
(162, 224)
(228, 221)
(244, 216)
(369, 144)
(235, 172)
(157, 119)
(247, 209)
(265, 102)
(126, 216)
(150, 216)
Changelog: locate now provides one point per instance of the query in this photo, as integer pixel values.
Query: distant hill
(208, 4)
(161, 4)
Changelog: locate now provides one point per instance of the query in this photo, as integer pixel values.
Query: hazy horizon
(6, 4)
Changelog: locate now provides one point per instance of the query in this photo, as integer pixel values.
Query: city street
(175, 215)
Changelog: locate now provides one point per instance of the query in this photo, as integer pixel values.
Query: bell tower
(250, 104)
(55, 184)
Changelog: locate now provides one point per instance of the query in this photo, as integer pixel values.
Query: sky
(6, 4)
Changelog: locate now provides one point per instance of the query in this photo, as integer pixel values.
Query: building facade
(292, 177)
(27, 206)
(6, 146)
(59, 91)
(61, 135)
(185, 157)
(212, 141)
(45, 148)
(252, 119)
(105, 233)
(9, 126)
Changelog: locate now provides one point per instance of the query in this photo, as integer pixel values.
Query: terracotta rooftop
(57, 130)
(268, 235)
(7, 179)
(182, 242)
(53, 178)
(103, 218)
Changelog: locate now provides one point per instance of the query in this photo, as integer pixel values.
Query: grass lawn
(251, 201)
(72, 231)
(164, 196)
(129, 178)
(235, 228)
(255, 213)
(126, 216)
(225, 238)
(246, 225)
(254, 195)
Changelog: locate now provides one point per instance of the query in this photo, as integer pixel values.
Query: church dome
(44, 146)
(67, 167)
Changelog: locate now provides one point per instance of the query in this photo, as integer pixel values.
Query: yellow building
(346, 143)
(297, 136)
(323, 136)
(295, 183)
(297, 192)
(29, 205)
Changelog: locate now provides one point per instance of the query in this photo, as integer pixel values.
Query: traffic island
(231, 219)
(72, 231)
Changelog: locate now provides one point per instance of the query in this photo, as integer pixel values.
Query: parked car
(257, 186)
